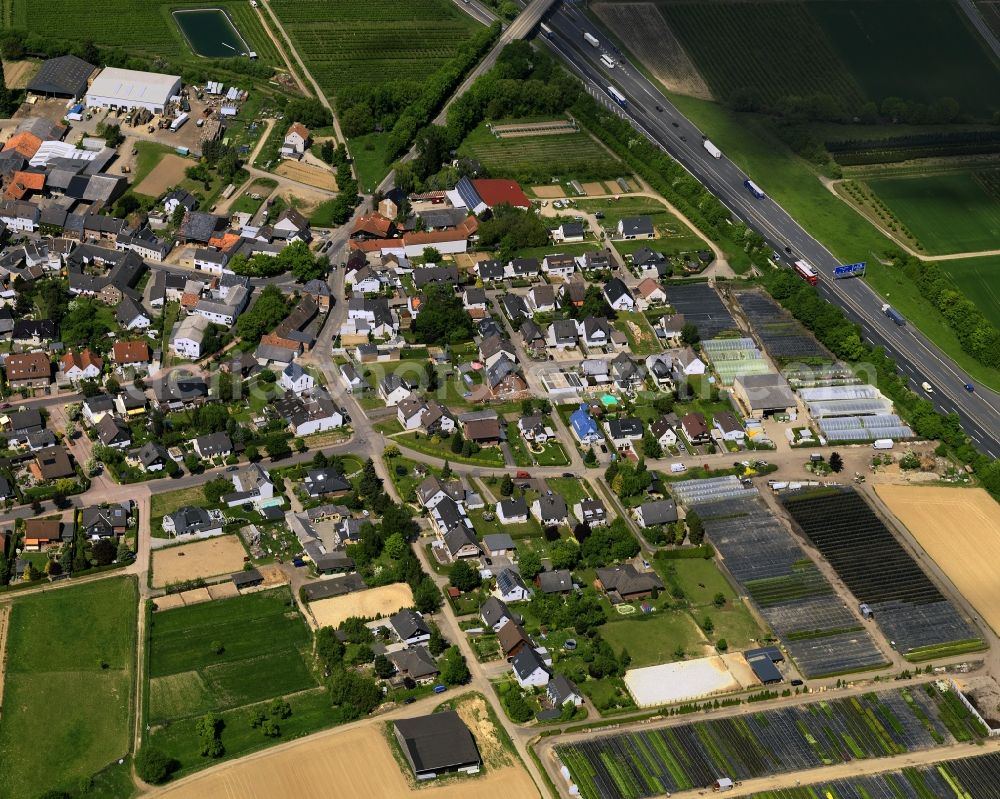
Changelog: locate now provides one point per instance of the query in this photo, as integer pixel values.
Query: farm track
(284, 57)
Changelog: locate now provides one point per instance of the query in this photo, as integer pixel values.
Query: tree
(215, 489)
(530, 564)
(442, 318)
(431, 255)
(270, 728)
(590, 457)
(454, 670)
(280, 709)
(426, 597)
(707, 624)
(276, 445)
(264, 315)
(696, 528)
(464, 576)
(836, 462)
(446, 471)
(722, 645)
(309, 111)
(257, 718)
(209, 728)
(395, 546)
(650, 446)
(507, 486)
(582, 532)
(437, 643)
(355, 694)
(326, 151)
(153, 765)
(516, 706)
(719, 600)
(431, 376)
(383, 667)
(689, 334)
(104, 552)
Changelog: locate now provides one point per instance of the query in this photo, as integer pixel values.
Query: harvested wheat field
(382, 601)
(209, 558)
(355, 762)
(548, 192)
(169, 172)
(308, 174)
(16, 74)
(960, 529)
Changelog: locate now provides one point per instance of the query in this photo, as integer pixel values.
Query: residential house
(687, 363)
(591, 512)
(52, 463)
(188, 337)
(625, 583)
(651, 262)
(533, 338)
(190, 520)
(542, 299)
(495, 614)
(253, 484)
(515, 307)
(534, 429)
(623, 432)
(474, 301)
(96, 406)
(351, 379)
(296, 379)
(484, 432)
(529, 669)
(321, 294)
(595, 261)
(557, 581)
(490, 271)
(130, 353)
(650, 293)
(663, 430)
(584, 427)
(511, 587)
(28, 371)
(150, 457)
(410, 627)
(562, 691)
(131, 316)
(100, 521)
(310, 413)
(503, 378)
(561, 266)
(80, 365)
(415, 663)
(595, 331)
(113, 432)
(568, 232)
(660, 367)
(499, 545)
(494, 348)
(435, 276)
(513, 640)
(635, 227)
(550, 509)
(562, 334)
(695, 428)
(618, 295)
(431, 491)
(626, 373)
(321, 482)
(40, 534)
(512, 511)
(34, 332)
(522, 269)
(23, 423)
(653, 514)
(214, 445)
(393, 389)
(670, 327)
(296, 141)
(729, 426)
(291, 226)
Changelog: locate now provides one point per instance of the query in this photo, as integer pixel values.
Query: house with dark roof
(695, 428)
(415, 663)
(52, 463)
(618, 295)
(511, 587)
(529, 669)
(320, 482)
(410, 627)
(213, 445)
(512, 511)
(484, 432)
(591, 512)
(651, 514)
(190, 520)
(490, 271)
(42, 533)
(625, 583)
(113, 432)
(437, 744)
(561, 691)
(34, 331)
(512, 639)
(495, 614)
(557, 581)
(150, 457)
(635, 227)
(65, 76)
(104, 522)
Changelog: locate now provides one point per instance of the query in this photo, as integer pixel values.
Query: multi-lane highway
(653, 114)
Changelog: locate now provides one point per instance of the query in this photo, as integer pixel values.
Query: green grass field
(572, 489)
(143, 26)
(653, 640)
(69, 683)
(979, 279)
(540, 158)
(950, 212)
(348, 42)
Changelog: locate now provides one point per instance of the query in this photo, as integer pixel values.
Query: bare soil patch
(476, 717)
(548, 192)
(308, 174)
(960, 529)
(594, 189)
(169, 172)
(357, 761)
(550, 128)
(209, 558)
(223, 591)
(654, 44)
(382, 601)
(16, 74)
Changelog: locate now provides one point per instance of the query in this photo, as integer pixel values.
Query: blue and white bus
(754, 189)
(617, 96)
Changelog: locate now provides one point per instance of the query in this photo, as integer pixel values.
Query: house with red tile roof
(80, 365)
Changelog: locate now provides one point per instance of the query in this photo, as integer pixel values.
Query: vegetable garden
(908, 607)
(351, 42)
(693, 755)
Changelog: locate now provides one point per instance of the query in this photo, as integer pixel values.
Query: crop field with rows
(874, 566)
(348, 42)
(693, 755)
(143, 26)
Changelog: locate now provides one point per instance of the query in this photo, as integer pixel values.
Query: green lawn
(653, 639)
(388, 426)
(735, 624)
(572, 489)
(369, 156)
(528, 529)
(407, 482)
(488, 456)
(643, 342)
(951, 212)
(700, 579)
(978, 279)
(68, 686)
(518, 446)
(552, 454)
(165, 503)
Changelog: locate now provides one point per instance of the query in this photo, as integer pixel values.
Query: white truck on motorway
(927, 387)
(713, 151)
(882, 443)
(591, 40)
(608, 61)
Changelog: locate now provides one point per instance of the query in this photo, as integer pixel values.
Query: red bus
(806, 272)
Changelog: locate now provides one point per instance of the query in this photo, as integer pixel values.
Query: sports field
(960, 529)
(979, 280)
(947, 213)
(68, 686)
(382, 601)
(349, 42)
(143, 26)
(538, 158)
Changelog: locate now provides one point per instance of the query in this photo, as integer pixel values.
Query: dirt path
(4, 620)
(284, 55)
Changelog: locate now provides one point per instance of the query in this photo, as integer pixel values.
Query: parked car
(523, 475)
(439, 689)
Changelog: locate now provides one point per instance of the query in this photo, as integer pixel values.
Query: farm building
(762, 662)
(763, 395)
(437, 744)
(129, 88)
(66, 76)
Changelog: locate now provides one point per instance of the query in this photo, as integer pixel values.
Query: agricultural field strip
(783, 337)
(701, 306)
(973, 777)
(874, 566)
(793, 596)
(694, 754)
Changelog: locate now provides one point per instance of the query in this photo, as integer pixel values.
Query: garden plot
(960, 529)
(794, 598)
(687, 679)
(682, 757)
(908, 607)
(784, 338)
(702, 307)
(372, 603)
(168, 172)
(211, 558)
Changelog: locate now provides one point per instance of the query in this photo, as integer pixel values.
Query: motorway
(916, 355)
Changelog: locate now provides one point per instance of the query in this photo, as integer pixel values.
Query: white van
(678, 467)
